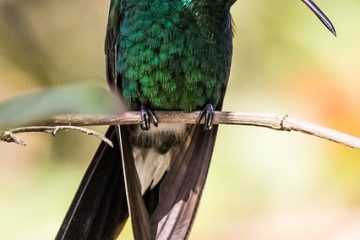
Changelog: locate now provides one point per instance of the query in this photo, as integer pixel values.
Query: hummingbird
(160, 55)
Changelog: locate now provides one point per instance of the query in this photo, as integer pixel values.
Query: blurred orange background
(262, 184)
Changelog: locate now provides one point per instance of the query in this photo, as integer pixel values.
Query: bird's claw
(208, 114)
(147, 116)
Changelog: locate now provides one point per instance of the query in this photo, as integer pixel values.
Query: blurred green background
(262, 184)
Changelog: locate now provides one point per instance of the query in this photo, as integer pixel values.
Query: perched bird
(160, 55)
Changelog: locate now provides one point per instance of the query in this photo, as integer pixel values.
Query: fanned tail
(99, 209)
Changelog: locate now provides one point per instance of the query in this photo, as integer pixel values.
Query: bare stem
(9, 136)
(275, 121)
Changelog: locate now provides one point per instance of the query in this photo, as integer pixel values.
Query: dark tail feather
(181, 188)
(99, 209)
(138, 213)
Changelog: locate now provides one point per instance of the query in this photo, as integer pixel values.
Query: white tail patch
(150, 164)
(151, 168)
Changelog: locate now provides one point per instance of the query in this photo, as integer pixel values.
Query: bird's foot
(208, 114)
(147, 116)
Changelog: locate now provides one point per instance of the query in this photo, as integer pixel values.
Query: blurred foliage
(262, 184)
(42, 105)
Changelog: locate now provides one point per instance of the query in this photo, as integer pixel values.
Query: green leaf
(72, 99)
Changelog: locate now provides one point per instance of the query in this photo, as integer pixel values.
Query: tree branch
(10, 137)
(281, 122)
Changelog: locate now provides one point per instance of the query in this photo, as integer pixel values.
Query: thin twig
(9, 136)
(275, 121)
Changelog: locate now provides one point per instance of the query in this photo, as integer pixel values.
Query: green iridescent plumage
(174, 54)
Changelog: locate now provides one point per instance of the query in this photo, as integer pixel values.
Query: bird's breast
(166, 62)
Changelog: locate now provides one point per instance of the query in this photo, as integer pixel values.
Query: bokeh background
(262, 184)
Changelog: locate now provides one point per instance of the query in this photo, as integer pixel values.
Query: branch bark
(10, 135)
(276, 121)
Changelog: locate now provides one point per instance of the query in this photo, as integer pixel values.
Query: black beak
(323, 18)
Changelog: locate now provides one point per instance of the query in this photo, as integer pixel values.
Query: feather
(99, 209)
(138, 213)
(180, 190)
